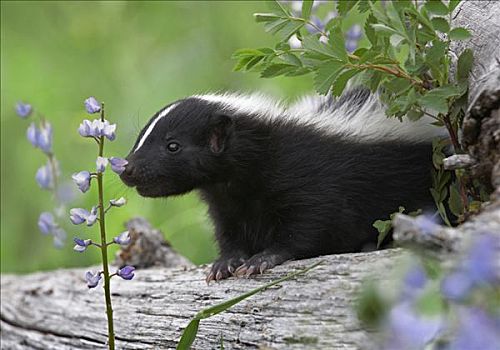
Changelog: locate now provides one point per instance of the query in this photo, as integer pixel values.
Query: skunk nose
(129, 174)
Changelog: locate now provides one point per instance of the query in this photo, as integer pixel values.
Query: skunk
(285, 182)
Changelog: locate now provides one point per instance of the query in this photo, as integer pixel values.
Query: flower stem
(104, 247)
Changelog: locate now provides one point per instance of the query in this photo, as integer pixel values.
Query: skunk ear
(220, 129)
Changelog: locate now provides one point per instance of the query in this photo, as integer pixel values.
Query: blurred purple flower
(92, 278)
(118, 164)
(456, 286)
(118, 202)
(108, 130)
(355, 32)
(101, 163)
(44, 177)
(352, 37)
(477, 330)
(81, 244)
(126, 272)
(92, 105)
(123, 238)
(59, 237)
(408, 330)
(351, 45)
(318, 25)
(480, 266)
(46, 223)
(427, 224)
(66, 192)
(23, 109)
(44, 139)
(32, 134)
(82, 180)
(79, 216)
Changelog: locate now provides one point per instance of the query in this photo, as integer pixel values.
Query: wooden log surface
(55, 310)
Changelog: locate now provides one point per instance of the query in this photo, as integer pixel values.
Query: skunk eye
(173, 147)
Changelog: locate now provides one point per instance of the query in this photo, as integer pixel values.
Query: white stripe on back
(151, 126)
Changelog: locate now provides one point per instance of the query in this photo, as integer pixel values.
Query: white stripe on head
(151, 126)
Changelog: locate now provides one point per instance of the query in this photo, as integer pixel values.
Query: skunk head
(183, 147)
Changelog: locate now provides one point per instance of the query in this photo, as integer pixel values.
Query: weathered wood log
(55, 310)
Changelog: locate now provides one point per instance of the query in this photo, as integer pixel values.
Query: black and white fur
(285, 183)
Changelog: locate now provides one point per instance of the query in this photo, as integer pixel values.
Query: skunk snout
(129, 175)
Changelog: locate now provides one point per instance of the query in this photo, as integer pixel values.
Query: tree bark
(55, 310)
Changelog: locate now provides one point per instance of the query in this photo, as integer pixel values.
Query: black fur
(278, 190)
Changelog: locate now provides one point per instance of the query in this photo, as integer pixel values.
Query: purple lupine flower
(477, 330)
(92, 105)
(480, 266)
(32, 134)
(92, 217)
(46, 223)
(23, 109)
(44, 140)
(126, 272)
(118, 202)
(85, 128)
(427, 224)
(81, 244)
(123, 238)
(44, 177)
(409, 330)
(414, 281)
(108, 130)
(355, 32)
(66, 192)
(118, 164)
(352, 37)
(101, 163)
(82, 180)
(320, 25)
(92, 278)
(456, 286)
(59, 237)
(78, 215)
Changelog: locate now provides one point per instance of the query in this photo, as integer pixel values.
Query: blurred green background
(136, 57)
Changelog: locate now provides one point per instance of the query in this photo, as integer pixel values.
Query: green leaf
(382, 28)
(242, 63)
(306, 8)
(464, 64)
(277, 69)
(341, 81)
(436, 7)
(370, 31)
(396, 39)
(344, 6)
(383, 227)
(414, 114)
(326, 75)
(453, 4)
(437, 99)
(371, 307)
(265, 17)
(313, 44)
(274, 27)
(440, 24)
(459, 34)
(253, 62)
(278, 8)
(337, 43)
(455, 201)
(189, 335)
(291, 59)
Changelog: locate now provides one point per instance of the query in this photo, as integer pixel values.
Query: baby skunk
(285, 183)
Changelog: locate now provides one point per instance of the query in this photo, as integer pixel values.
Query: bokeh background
(136, 57)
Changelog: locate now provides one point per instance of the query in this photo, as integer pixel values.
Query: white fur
(152, 125)
(364, 123)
